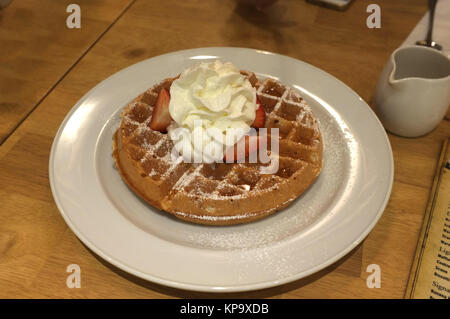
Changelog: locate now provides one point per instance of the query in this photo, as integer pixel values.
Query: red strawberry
(252, 144)
(161, 116)
(260, 117)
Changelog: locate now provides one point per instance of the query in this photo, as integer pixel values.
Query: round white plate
(326, 222)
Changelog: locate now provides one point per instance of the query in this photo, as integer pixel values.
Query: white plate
(326, 222)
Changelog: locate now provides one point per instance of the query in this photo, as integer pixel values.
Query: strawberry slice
(260, 117)
(251, 145)
(161, 116)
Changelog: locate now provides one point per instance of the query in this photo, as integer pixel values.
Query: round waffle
(220, 193)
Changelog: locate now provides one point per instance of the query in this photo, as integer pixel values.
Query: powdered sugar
(322, 196)
(193, 182)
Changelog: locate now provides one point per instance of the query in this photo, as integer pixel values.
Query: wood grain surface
(36, 246)
(37, 49)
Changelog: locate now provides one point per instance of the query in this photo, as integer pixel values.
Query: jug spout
(419, 63)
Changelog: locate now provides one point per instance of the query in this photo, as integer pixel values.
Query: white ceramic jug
(413, 92)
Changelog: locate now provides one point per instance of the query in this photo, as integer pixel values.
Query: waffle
(220, 193)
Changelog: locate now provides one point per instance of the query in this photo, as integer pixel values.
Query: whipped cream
(212, 106)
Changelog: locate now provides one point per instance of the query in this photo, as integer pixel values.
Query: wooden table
(45, 68)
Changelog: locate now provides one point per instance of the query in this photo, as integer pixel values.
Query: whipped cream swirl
(212, 106)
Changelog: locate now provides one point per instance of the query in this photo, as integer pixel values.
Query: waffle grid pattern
(299, 146)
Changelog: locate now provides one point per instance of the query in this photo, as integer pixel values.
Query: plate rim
(223, 288)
